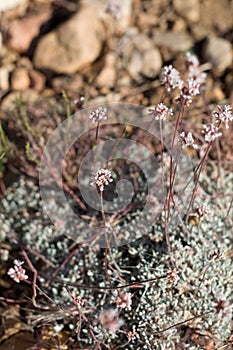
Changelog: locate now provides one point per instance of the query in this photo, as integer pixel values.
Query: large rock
(142, 57)
(73, 45)
(107, 77)
(188, 9)
(173, 41)
(217, 15)
(218, 52)
(23, 31)
(9, 103)
(10, 4)
(20, 79)
(123, 16)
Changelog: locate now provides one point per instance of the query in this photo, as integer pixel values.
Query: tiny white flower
(192, 59)
(195, 71)
(124, 300)
(172, 276)
(185, 98)
(196, 74)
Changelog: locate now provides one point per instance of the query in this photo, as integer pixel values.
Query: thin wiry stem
(198, 176)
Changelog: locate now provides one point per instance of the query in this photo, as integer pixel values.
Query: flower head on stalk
(190, 89)
(193, 87)
(99, 115)
(17, 273)
(195, 71)
(160, 112)
(224, 115)
(102, 178)
(197, 74)
(170, 77)
(211, 132)
(187, 140)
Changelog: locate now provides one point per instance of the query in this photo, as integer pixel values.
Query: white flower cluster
(224, 115)
(17, 273)
(211, 132)
(160, 112)
(187, 140)
(102, 178)
(195, 78)
(170, 77)
(195, 71)
(99, 115)
(193, 87)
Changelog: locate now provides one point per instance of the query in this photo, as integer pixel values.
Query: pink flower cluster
(172, 276)
(17, 273)
(223, 115)
(203, 211)
(132, 334)
(124, 300)
(114, 9)
(110, 320)
(193, 87)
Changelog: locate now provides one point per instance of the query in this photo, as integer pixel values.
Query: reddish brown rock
(73, 45)
(23, 31)
(37, 80)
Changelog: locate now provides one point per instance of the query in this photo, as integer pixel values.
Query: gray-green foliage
(201, 256)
